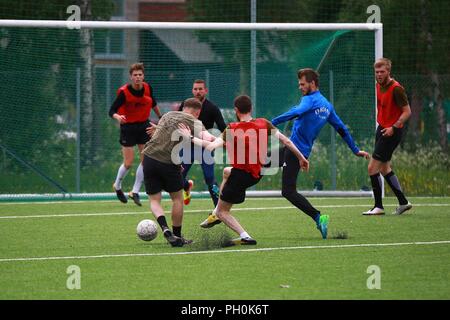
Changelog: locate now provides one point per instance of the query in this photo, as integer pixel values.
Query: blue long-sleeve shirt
(310, 115)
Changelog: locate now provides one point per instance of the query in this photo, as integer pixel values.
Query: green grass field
(39, 241)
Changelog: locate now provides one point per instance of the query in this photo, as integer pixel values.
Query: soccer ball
(147, 230)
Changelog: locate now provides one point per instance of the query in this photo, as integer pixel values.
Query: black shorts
(385, 146)
(132, 134)
(160, 176)
(234, 189)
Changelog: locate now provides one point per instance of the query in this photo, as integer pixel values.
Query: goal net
(58, 83)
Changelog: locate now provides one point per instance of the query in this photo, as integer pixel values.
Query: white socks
(244, 235)
(120, 175)
(139, 179)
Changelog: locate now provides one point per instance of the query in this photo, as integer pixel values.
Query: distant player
(393, 112)
(209, 115)
(162, 167)
(131, 109)
(247, 143)
(310, 115)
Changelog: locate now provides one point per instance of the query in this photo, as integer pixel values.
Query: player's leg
(210, 180)
(154, 182)
(233, 192)
(394, 184)
(389, 146)
(139, 179)
(373, 170)
(187, 161)
(128, 156)
(289, 191)
(173, 184)
(212, 219)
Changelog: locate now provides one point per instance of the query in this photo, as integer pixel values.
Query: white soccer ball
(147, 230)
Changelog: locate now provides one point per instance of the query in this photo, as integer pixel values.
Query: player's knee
(128, 164)
(288, 191)
(226, 172)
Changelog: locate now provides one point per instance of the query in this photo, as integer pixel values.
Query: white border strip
(64, 215)
(224, 251)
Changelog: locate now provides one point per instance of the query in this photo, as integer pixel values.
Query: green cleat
(323, 225)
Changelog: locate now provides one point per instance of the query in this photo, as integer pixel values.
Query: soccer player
(310, 115)
(209, 115)
(162, 166)
(247, 143)
(393, 111)
(131, 109)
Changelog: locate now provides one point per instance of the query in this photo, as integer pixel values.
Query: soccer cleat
(402, 208)
(173, 239)
(210, 222)
(135, 197)
(323, 225)
(375, 211)
(187, 194)
(186, 241)
(120, 195)
(241, 241)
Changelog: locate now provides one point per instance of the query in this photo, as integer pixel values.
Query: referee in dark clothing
(210, 114)
(393, 111)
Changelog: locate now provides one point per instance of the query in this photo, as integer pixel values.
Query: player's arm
(205, 139)
(220, 122)
(120, 100)
(401, 100)
(155, 103)
(304, 163)
(157, 111)
(295, 112)
(341, 128)
(406, 113)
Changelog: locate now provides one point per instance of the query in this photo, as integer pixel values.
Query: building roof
(185, 45)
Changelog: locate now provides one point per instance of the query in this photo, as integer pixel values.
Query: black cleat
(173, 239)
(186, 241)
(240, 241)
(120, 195)
(135, 198)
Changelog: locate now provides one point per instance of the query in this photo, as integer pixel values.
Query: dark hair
(243, 103)
(192, 103)
(309, 74)
(136, 66)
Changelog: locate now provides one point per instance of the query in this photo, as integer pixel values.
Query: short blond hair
(192, 103)
(383, 62)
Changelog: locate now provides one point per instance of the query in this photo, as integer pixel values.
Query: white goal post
(377, 28)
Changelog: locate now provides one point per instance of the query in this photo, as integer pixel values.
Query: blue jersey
(310, 116)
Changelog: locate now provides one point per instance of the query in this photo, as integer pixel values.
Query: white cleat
(402, 208)
(374, 212)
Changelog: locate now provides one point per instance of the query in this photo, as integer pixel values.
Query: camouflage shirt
(166, 143)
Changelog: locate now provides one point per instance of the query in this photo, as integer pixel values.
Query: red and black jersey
(246, 144)
(388, 109)
(135, 105)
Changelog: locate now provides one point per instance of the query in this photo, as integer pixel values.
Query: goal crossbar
(189, 25)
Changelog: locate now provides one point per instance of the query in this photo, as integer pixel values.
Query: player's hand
(363, 154)
(151, 130)
(304, 165)
(387, 132)
(184, 130)
(120, 118)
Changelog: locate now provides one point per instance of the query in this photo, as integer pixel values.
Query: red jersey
(388, 110)
(246, 144)
(136, 109)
